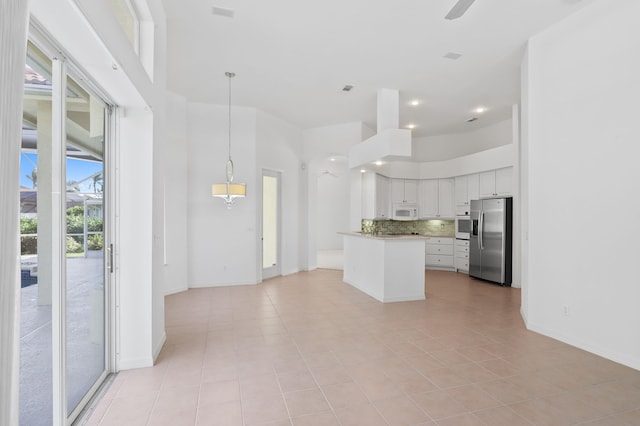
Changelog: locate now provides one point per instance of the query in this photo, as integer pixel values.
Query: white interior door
(271, 212)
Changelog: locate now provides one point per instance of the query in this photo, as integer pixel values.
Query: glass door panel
(270, 224)
(36, 226)
(85, 277)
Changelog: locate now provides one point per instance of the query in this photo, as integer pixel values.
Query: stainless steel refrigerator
(490, 241)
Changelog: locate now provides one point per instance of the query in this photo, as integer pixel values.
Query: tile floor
(307, 349)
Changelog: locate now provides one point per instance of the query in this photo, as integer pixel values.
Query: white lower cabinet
(439, 253)
(462, 255)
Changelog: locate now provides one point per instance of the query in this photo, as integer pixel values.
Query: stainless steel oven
(463, 227)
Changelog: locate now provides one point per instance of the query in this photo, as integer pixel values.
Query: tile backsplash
(433, 227)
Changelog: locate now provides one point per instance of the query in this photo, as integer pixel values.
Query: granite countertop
(390, 236)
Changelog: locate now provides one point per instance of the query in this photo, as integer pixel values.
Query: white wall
(333, 202)
(222, 243)
(446, 147)
(174, 198)
(582, 96)
(279, 148)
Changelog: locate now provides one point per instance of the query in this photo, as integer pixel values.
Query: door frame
(276, 270)
(63, 67)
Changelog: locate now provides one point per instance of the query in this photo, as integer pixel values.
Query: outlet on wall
(566, 311)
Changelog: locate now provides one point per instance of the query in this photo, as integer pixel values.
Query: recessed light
(479, 110)
(378, 163)
(363, 171)
(414, 102)
(411, 126)
(347, 88)
(471, 119)
(332, 159)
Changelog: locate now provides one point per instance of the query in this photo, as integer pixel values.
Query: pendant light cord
(230, 75)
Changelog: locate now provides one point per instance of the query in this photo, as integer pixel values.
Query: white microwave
(463, 227)
(403, 211)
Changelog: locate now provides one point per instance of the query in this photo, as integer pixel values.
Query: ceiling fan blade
(459, 9)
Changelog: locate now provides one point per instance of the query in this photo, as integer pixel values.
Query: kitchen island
(389, 268)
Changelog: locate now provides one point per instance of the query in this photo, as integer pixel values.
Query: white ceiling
(292, 57)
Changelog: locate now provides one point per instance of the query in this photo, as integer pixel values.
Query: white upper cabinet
(428, 198)
(404, 191)
(496, 183)
(467, 189)
(437, 198)
(446, 205)
(462, 192)
(383, 196)
(376, 191)
(473, 187)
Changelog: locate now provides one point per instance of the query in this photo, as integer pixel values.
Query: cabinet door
(411, 191)
(397, 190)
(488, 184)
(369, 195)
(383, 204)
(446, 206)
(504, 179)
(428, 198)
(473, 187)
(462, 196)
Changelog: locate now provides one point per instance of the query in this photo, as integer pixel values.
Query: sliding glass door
(62, 206)
(84, 244)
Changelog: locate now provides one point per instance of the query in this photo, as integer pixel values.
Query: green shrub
(95, 242)
(28, 225)
(74, 246)
(94, 224)
(75, 211)
(28, 245)
(75, 224)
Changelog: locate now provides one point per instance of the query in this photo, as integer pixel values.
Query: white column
(45, 194)
(13, 35)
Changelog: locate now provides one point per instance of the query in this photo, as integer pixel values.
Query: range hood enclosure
(390, 142)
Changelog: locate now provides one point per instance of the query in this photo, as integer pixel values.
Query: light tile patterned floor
(307, 349)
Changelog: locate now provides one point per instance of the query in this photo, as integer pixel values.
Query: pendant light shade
(229, 192)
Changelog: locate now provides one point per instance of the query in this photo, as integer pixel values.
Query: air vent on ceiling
(472, 119)
(221, 11)
(452, 55)
(347, 88)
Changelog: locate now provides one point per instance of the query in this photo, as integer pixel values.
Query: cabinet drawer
(435, 260)
(440, 240)
(460, 255)
(462, 250)
(462, 243)
(439, 249)
(462, 264)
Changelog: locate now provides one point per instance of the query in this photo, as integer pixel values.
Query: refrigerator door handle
(480, 230)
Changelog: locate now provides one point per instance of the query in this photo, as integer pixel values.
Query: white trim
(58, 246)
(13, 36)
(158, 348)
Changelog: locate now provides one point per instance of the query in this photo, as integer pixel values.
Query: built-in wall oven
(463, 227)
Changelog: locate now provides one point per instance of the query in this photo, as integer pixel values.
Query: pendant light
(229, 192)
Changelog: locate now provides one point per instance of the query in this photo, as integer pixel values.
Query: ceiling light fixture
(229, 192)
(480, 110)
(378, 163)
(415, 102)
(363, 171)
(411, 126)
